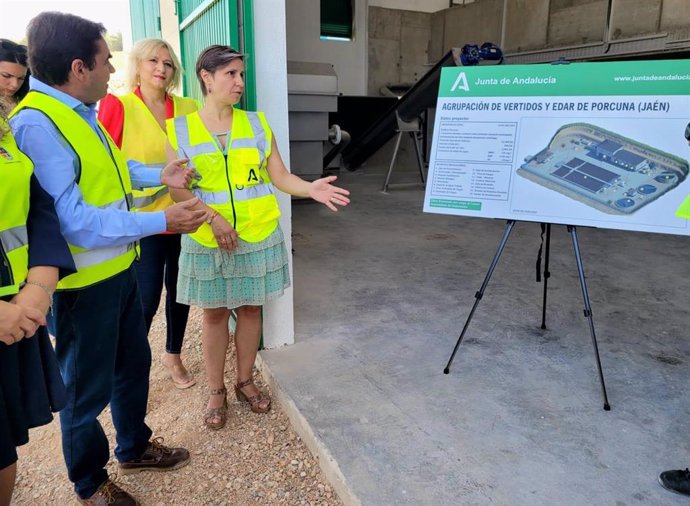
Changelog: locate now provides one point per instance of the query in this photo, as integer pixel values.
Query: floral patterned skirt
(248, 276)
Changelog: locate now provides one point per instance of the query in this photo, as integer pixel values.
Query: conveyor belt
(417, 99)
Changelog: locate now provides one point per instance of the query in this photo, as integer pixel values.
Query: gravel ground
(254, 459)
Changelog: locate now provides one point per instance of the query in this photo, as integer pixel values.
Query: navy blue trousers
(104, 357)
(159, 264)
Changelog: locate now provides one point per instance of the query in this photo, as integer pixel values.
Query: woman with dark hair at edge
(136, 122)
(237, 259)
(34, 256)
(14, 78)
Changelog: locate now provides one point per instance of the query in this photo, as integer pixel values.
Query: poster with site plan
(592, 144)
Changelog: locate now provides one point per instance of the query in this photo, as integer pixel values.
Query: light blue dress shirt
(56, 166)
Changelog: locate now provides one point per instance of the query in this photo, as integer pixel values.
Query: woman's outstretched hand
(323, 191)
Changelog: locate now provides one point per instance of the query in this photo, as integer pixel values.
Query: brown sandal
(257, 403)
(221, 413)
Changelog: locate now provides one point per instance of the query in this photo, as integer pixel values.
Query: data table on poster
(473, 159)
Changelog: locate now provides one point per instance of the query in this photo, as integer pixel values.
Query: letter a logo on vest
(252, 176)
(460, 82)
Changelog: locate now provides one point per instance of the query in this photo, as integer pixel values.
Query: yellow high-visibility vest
(237, 185)
(144, 140)
(683, 210)
(103, 181)
(15, 172)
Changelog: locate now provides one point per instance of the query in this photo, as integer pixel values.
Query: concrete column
(270, 62)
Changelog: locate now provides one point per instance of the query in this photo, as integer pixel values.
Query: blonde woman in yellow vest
(33, 255)
(237, 260)
(136, 122)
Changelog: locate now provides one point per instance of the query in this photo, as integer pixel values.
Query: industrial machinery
(404, 114)
(312, 94)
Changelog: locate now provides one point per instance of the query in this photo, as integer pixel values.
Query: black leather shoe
(157, 457)
(677, 481)
(109, 494)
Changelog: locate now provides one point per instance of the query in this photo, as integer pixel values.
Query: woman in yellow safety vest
(237, 260)
(136, 122)
(14, 79)
(33, 255)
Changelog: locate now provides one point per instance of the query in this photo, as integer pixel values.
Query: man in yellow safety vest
(101, 339)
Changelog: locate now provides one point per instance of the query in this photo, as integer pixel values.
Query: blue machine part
(490, 51)
(471, 54)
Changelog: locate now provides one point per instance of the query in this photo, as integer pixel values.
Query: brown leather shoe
(157, 457)
(109, 494)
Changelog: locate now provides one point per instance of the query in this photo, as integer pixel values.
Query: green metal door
(146, 19)
(207, 22)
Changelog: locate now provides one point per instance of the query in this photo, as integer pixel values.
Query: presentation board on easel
(591, 144)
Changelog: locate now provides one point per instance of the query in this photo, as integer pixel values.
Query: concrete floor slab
(381, 294)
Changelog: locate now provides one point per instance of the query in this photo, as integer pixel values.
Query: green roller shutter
(207, 22)
(146, 19)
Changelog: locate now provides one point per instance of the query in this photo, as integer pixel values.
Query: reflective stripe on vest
(92, 257)
(236, 184)
(192, 151)
(104, 183)
(154, 198)
(14, 238)
(185, 149)
(147, 200)
(121, 204)
(259, 140)
(241, 193)
(253, 192)
(212, 198)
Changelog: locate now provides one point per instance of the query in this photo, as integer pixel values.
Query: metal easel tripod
(572, 230)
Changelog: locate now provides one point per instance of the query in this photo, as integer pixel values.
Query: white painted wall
(170, 30)
(270, 60)
(349, 58)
